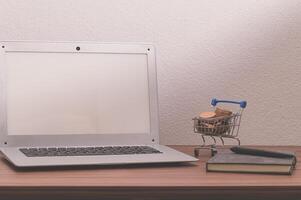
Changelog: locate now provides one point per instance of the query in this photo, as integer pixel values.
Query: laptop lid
(75, 93)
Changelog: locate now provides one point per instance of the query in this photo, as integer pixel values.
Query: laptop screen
(77, 93)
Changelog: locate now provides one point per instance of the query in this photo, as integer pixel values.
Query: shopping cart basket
(218, 127)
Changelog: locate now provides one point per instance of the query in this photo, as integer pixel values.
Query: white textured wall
(227, 49)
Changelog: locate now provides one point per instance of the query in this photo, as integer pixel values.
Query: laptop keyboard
(87, 151)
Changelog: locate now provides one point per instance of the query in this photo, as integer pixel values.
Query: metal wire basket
(218, 127)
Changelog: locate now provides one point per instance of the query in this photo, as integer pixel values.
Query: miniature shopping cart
(218, 128)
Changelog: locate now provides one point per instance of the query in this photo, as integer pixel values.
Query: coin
(222, 112)
(207, 115)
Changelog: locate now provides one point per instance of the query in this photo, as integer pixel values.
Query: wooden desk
(186, 181)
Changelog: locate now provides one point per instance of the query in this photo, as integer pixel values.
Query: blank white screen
(77, 93)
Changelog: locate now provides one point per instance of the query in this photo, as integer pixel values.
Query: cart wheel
(196, 152)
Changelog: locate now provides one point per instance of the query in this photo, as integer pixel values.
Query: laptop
(76, 103)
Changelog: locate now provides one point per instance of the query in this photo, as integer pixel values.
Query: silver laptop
(80, 104)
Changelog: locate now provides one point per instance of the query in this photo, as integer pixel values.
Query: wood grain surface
(156, 181)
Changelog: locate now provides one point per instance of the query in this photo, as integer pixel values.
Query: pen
(258, 152)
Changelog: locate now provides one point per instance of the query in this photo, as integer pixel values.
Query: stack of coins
(222, 112)
(216, 122)
(217, 113)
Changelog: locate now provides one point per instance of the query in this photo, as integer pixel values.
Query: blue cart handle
(242, 104)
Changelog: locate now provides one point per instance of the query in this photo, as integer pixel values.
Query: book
(227, 161)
